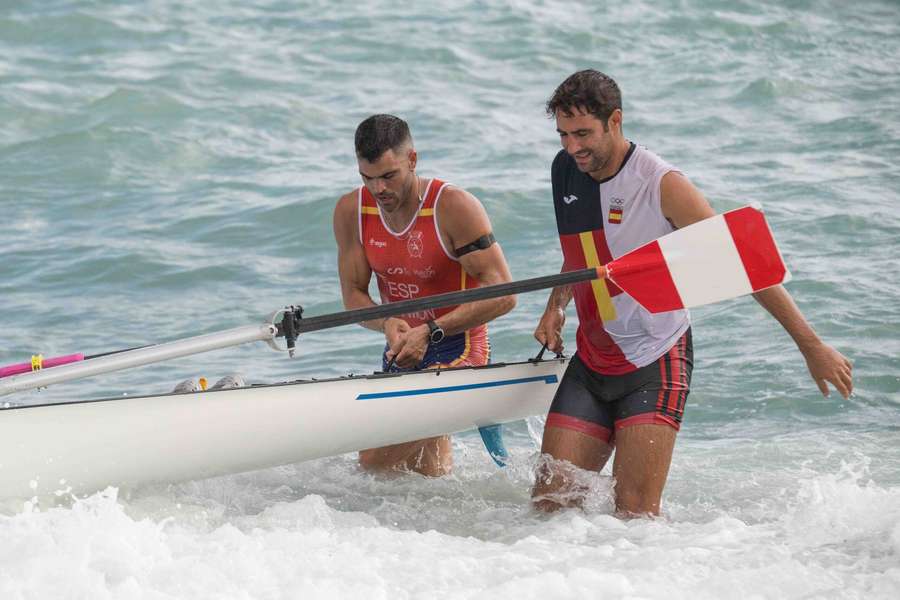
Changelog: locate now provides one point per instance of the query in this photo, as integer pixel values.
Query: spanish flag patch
(615, 215)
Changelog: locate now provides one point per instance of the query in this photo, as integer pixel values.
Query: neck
(401, 217)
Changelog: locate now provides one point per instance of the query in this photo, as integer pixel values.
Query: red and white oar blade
(722, 257)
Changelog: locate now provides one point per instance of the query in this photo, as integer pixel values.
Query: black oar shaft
(393, 309)
(111, 352)
(125, 359)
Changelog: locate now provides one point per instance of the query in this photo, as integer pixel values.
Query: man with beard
(420, 236)
(627, 384)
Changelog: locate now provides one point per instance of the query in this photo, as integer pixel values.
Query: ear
(615, 120)
(413, 158)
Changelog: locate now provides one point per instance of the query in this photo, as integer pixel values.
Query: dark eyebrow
(378, 176)
(582, 131)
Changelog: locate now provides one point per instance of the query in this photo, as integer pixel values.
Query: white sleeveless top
(604, 221)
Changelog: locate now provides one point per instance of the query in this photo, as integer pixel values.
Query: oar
(722, 257)
(715, 259)
(119, 360)
(39, 362)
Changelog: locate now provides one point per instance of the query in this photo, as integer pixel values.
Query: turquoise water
(170, 169)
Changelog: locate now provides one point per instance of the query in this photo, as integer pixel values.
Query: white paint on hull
(86, 446)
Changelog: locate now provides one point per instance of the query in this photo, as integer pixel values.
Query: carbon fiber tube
(403, 307)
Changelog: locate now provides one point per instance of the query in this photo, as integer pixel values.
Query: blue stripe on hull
(458, 388)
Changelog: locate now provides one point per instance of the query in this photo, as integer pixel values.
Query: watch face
(437, 334)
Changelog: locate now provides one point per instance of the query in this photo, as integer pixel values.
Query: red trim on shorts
(575, 424)
(682, 380)
(663, 384)
(646, 419)
(673, 389)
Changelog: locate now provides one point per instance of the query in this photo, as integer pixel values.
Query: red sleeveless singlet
(414, 263)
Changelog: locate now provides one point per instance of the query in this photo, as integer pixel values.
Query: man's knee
(558, 484)
(639, 498)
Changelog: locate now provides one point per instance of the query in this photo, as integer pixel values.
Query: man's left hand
(828, 365)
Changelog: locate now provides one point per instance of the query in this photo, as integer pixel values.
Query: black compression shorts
(598, 405)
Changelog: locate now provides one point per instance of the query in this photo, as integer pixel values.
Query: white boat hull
(83, 447)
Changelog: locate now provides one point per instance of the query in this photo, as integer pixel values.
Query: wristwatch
(436, 334)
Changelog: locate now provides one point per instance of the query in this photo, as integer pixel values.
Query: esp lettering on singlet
(414, 263)
(598, 222)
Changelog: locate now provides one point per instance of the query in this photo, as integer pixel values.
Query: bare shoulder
(458, 203)
(676, 182)
(456, 196)
(462, 216)
(680, 200)
(346, 205)
(345, 219)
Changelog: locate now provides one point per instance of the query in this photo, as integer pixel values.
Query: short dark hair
(380, 133)
(591, 91)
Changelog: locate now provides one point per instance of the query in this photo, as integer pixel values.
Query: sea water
(169, 169)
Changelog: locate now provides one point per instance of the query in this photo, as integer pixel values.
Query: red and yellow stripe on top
(594, 302)
(413, 263)
(602, 298)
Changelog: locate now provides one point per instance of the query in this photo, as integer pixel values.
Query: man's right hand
(395, 331)
(549, 330)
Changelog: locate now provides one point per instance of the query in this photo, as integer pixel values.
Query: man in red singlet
(420, 236)
(627, 384)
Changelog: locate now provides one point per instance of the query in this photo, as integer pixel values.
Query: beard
(596, 161)
(391, 201)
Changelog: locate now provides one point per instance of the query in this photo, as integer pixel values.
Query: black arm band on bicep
(482, 243)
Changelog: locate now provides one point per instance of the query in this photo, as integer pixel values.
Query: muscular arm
(462, 220)
(353, 268)
(825, 364)
(683, 204)
(549, 329)
(560, 296)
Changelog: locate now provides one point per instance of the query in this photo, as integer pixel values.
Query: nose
(570, 144)
(377, 185)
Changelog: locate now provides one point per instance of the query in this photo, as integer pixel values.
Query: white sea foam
(325, 530)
